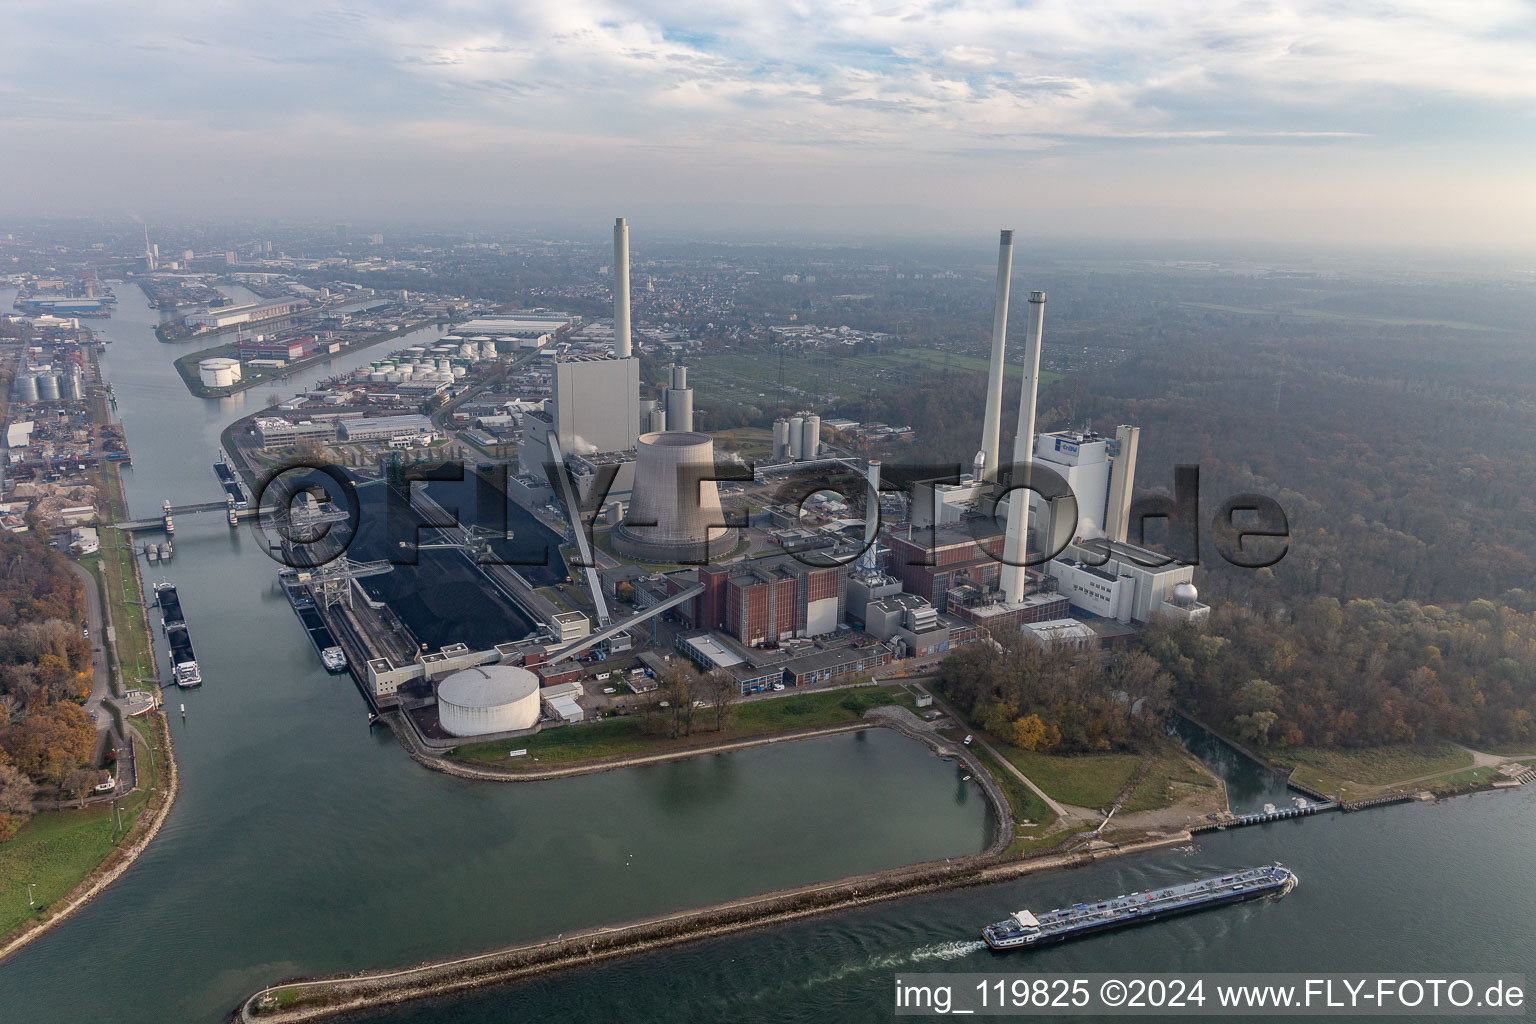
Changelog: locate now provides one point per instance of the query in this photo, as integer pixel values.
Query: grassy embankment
(1368, 772)
(133, 654)
(57, 850)
(626, 736)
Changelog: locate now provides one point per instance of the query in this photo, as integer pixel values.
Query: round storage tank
(394, 377)
(796, 435)
(780, 438)
(28, 388)
(69, 385)
(459, 371)
(810, 439)
(47, 387)
(488, 699)
(219, 371)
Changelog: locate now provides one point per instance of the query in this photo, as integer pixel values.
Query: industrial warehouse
(666, 560)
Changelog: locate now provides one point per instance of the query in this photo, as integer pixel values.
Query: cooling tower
(674, 512)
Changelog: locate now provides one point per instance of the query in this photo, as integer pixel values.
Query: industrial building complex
(654, 556)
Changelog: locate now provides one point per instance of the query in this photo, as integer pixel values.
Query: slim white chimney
(1122, 481)
(991, 428)
(1016, 537)
(621, 288)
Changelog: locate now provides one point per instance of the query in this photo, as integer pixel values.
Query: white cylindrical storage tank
(416, 350)
(781, 438)
(488, 699)
(219, 371)
(28, 388)
(444, 366)
(810, 439)
(47, 387)
(459, 371)
(796, 435)
(378, 376)
(394, 377)
(658, 420)
(674, 511)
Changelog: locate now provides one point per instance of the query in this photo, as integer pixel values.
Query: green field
(1174, 775)
(56, 849)
(617, 737)
(828, 377)
(1365, 772)
(1089, 780)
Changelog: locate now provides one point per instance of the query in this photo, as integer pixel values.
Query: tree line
(46, 738)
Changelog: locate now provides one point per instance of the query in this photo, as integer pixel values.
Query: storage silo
(658, 420)
(488, 699)
(796, 435)
(781, 438)
(47, 387)
(69, 385)
(810, 439)
(27, 387)
(459, 371)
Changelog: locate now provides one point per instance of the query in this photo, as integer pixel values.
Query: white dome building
(488, 699)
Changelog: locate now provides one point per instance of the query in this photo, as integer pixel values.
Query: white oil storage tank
(488, 699)
(218, 371)
(796, 435)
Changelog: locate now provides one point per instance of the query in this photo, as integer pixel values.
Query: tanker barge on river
(1026, 929)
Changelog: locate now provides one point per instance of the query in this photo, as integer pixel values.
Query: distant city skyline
(1346, 123)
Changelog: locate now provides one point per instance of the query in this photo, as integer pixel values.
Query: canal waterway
(305, 843)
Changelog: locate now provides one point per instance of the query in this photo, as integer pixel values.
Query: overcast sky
(1328, 121)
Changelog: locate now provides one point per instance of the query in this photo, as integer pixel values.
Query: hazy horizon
(1336, 123)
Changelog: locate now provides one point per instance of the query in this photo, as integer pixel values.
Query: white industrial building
(488, 699)
(228, 316)
(1058, 633)
(1127, 585)
(278, 432)
(387, 428)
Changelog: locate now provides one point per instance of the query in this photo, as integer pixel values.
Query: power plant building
(768, 600)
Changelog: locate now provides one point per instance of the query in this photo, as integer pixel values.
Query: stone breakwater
(310, 1000)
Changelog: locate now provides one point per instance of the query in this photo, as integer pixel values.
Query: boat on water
(331, 655)
(184, 670)
(1024, 929)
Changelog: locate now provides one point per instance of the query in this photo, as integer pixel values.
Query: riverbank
(145, 824)
(304, 1000)
(186, 366)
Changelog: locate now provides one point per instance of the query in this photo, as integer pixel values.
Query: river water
(303, 842)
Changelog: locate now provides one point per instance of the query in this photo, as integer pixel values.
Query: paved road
(100, 686)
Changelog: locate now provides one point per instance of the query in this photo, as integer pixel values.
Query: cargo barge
(184, 670)
(231, 484)
(331, 655)
(1026, 929)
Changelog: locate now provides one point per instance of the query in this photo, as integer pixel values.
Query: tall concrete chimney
(1016, 537)
(871, 518)
(991, 428)
(1122, 480)
(621, 288)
